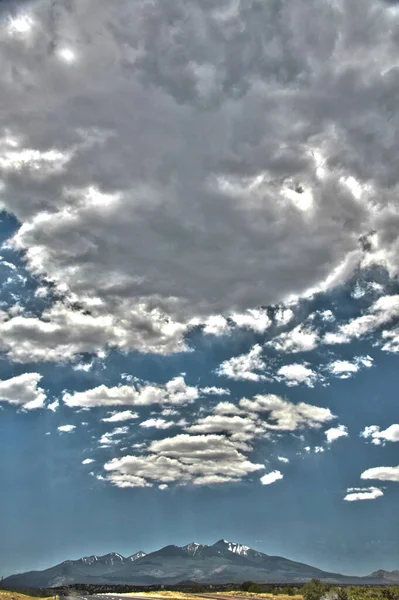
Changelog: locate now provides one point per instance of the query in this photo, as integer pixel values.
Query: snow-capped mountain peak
(137, 555)
(193, 548)
(234, 547)
(89, 560)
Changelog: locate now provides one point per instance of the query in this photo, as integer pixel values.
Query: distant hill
(386, 577)
(220, 563)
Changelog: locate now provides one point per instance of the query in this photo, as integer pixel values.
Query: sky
(199, 303)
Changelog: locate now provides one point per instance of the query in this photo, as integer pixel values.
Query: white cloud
(271, 477)
(345, 369)
(53, 406)
(370, 493)
(88, 461)
(286, 416)
(23, 391)
(215, 391)
(384, 310)
(174, 391)
(296, 373)
(299, 339)
(257, 320)
(200, 460)
(227, 408)
(231, 424)
(216, 325)
(378, 437)
(246, 367)
(157, 424)
(283, 316)
(335, 433)
(110, 438)
(382, 473)
(283, 459)
(66, 428)
(125, 415)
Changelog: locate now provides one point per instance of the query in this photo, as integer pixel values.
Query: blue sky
(199, 304)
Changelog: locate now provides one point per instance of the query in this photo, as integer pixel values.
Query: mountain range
(222, 562)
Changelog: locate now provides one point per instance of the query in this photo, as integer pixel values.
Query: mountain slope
(220, 563)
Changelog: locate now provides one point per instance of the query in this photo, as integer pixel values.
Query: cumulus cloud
(381, 312)
(257, 320)
(146, 229)
(286, 416)
(197, 459)
(296, 374)
(23, 391)
(345, 369)
(66, 428)
(215, 391)
(370, 493)
(299, 339)
(335, 433)
(271, 477)
(382, 473)
(283, 316)
(246, 367)
(88, 461)
(125, 415)
(174, 391)
(111, 437)
(378, 437)
(157, 424)
(283, 459)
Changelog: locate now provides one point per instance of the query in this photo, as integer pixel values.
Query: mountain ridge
(221, 562)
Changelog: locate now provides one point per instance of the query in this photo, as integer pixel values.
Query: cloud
(174, 391)
(125, 415)
(286, 416)
(378, 437)
(109, 438)
(299, 339)
(283, 459)
(23, 391)
(231, 424)
(370, 493)
(257, 320)
(271, 477)
(53, 406)
(335, 433)
(147, 229)
(227, 408)
(246, 367)
(215, 391)
(382, 311)
(345, 369)
(296, 373)
(157, 424)
(283, 316)
(199, 459)
(88, 461)
(66, 428)
(382, 473)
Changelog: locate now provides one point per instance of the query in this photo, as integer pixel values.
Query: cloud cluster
(209, 160)
(370, 493)
(215, 448)
(246, 367)
(23, 391)
(378, 437)
(183, 459)
(174, 392)
(382, 473)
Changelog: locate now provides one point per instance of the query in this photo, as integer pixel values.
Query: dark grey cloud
(199, 120)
